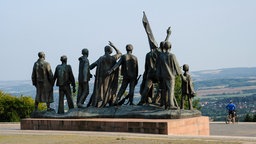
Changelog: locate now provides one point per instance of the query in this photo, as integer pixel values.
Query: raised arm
(168, 33)
(118, 53)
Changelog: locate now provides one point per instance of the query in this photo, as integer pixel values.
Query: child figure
(187, 88)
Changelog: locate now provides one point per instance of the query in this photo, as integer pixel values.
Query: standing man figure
(129, 70)
(149, 75)
(64, 76)
(42, 79)
(167, 69)
(83, 78)
(105, 85)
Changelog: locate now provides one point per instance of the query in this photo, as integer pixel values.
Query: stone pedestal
(186, 126)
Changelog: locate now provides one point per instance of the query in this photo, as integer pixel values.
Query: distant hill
(215, 88)
(228, 80)
(225, 73)
(18, 88)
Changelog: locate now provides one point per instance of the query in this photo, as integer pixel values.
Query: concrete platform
(197, 126)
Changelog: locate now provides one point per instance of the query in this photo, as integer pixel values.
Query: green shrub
(248, 118)
(12, 108)
(254, 118)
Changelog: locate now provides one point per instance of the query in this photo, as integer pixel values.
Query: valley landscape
(215, 88)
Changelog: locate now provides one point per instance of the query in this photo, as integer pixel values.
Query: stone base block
(186, 126)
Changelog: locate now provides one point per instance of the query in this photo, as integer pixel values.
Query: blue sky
(206, 34)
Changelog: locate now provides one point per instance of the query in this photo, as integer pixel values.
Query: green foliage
(41, 106)
(178, 91)
(178, 95)
(12, 109)
(196, 104)
(120, 80)
(254, 118)
(74, 95)
(248, 118)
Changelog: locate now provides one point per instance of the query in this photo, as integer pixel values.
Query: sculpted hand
(111, 44)
(169, 30)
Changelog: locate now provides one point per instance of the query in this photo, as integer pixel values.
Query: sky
(206, 34)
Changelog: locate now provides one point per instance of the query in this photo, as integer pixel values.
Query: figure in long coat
(105, 85)
(42, 79)
(167, 69)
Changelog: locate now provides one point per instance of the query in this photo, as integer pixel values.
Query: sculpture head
(129, 48)
(167, 45)
(41, 55)
(162, 45)
(186, 67)
(63, 59)
(108, 49)
(85, 52)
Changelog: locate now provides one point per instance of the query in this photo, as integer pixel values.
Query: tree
(254, 118)
(248, 118)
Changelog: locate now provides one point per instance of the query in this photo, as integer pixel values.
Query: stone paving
(237, 129)
(218, 130)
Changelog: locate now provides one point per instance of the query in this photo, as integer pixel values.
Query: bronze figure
(83, 78)
(105, 85)
(167, 69)
(42, 79)
(129, 70)
(187, 88)
(64, 76)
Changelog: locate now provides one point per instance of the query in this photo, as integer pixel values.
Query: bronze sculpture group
(161, 67)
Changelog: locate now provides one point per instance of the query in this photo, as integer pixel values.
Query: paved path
(240, 129)
(218, 130)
